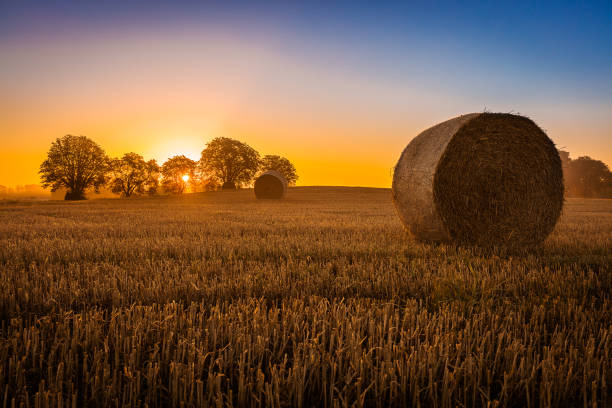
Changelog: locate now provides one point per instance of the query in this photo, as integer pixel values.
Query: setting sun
(186, 178)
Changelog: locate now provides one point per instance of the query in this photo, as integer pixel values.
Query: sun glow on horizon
(191, 149)
(340, 104)
(185, 178)
(175, 137)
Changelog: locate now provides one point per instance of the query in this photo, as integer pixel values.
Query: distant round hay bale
(228, 185)
(486, 179)
(270, 184)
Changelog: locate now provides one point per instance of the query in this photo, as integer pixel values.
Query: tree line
(78, 164)
(586, 177)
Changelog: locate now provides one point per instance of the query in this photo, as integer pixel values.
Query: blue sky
(399, 67)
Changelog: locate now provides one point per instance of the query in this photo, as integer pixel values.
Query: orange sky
(166, 93)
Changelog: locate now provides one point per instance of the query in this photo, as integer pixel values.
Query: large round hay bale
(270, 184)
(486, 179)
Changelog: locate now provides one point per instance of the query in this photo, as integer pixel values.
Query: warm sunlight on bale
(271, 184)
(487, 179)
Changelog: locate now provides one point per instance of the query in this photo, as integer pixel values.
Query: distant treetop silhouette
(131, 175)
(76, 163)
(178, 172)
(230, 161)
(280, 165)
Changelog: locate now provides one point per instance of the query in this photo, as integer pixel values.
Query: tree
(586, 177)
(76, 163)
(154, 174)
(178, 172)
(281, 165)
(229, 161)
(133, 175)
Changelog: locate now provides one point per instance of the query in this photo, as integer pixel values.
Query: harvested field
(316, 300)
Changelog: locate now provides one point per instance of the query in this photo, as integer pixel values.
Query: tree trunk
(72, 195)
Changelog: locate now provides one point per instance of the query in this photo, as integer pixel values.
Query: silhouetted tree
(131, 174)
(154, 175)
(229, 161)
(281, 165)
(76, 163)
(585, 177)
(177, 173)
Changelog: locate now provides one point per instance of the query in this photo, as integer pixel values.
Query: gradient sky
(339, 90)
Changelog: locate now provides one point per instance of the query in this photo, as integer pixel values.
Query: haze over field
(339, 90)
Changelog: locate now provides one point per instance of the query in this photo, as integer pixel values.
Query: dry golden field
(216, 299)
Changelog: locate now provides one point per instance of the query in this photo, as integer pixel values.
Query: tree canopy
(281, 165)
(131, 175)
(76, 163)
(178, 172)
(229, 161)
(586, 177)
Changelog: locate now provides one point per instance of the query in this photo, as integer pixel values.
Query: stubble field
(217, 299)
